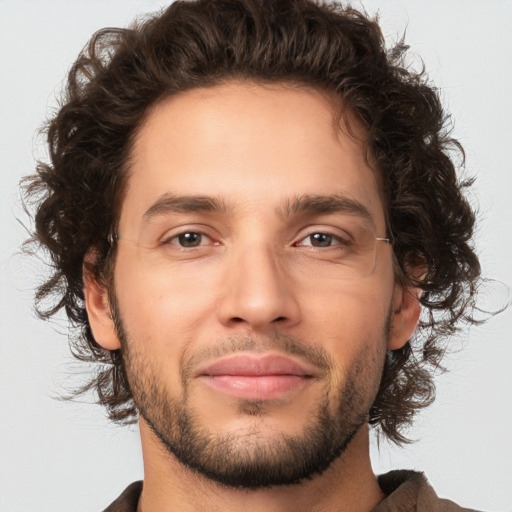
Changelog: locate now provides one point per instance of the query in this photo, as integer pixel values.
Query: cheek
(161, 302)
(348, 316)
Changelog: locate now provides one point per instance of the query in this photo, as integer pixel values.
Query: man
(247, 205)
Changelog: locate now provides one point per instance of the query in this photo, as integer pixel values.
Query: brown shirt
(407, 491)
(410, 491)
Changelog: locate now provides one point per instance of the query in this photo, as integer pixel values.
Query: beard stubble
(253, 460)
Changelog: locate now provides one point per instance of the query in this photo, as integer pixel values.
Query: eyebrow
(322, 205)
(304, 204)
(169, 203)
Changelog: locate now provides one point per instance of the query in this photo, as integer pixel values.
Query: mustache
(285, 344)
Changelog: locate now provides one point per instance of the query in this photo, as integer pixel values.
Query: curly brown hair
(123, 72)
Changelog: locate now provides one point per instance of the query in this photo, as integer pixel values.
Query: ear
(98, 312)
(406, 313)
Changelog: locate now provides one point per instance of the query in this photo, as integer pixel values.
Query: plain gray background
(66, 456)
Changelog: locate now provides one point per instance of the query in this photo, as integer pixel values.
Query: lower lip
(262, 387)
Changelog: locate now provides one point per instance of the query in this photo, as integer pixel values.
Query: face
(253, 304)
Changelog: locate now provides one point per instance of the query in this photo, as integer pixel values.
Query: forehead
(250, 146)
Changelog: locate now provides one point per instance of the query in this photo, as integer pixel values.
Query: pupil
(321, 240)
(189, 239)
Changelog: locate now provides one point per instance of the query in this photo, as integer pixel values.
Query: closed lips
(256, 377)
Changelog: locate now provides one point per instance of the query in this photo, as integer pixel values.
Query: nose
(257, 293)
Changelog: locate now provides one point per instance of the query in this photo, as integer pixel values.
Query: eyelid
(335, 238)
(333, 231)
(175, 232)
(169, 240)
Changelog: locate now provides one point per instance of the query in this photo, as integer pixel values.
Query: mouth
(256, 376)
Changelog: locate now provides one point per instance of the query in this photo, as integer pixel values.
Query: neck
(348, 485)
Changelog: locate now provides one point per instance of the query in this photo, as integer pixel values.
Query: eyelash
(340, 240)
(169, 240)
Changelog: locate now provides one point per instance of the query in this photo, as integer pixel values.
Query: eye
(321, 240)
(189, 239)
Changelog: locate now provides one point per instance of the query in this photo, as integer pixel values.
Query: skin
(255, 148)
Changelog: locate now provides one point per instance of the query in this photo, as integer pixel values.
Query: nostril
(279, 319)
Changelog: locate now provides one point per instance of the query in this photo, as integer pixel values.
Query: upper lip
(256, 365)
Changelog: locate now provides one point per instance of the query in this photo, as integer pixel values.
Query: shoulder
(410, 490)
(128, 500)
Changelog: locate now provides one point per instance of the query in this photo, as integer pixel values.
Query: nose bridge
(258, 291)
